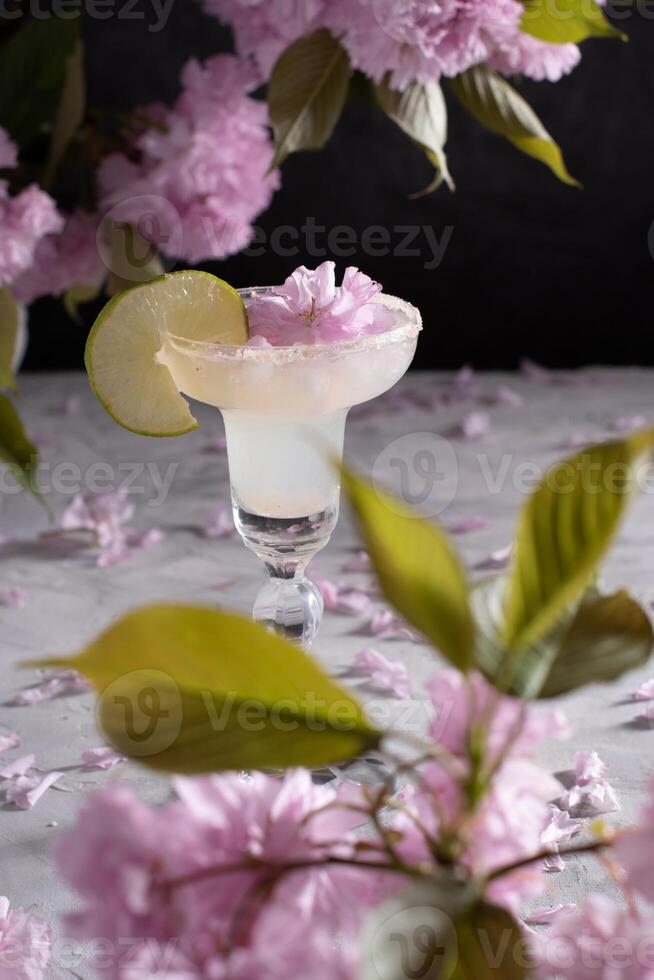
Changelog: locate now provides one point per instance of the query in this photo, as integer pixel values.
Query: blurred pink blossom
(124, 857)
(200, 180)
(69, 258)
(633, 849)
(645, 692)
(9, 740)
(599, 942)
(13, 596)
(25, 944)
(25, 219)
(310, 309)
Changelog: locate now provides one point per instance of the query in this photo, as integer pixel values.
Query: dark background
(533, 268)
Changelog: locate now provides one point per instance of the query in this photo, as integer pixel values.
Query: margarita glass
(284, 410)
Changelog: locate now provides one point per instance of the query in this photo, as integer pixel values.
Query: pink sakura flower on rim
(310, 309)
(25, 944)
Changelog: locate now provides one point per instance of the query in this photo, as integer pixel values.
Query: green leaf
(132, 260)
(194, 690)
(12, 325)
(16, 449)
(607, 637)
(32, 73)
(566, 21)
(597, 640)
(564, 530)
(70, 111)
(496, 105)
(490, 946)
(76, 296)
(306, 94)
(417, 569)
(421, 113)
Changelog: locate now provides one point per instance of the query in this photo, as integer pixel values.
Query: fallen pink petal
(387, 625)
(508, 396)
(26, 791)
(588, 767)
(13, 596)
(475, 425)
(496, 561)
(466, 525)
(629, 423)
(219, 524)
(383, 674)
(18, 767)
(542, 917)
(55, 684)
(103, 757)
(359, 562)
(9, 740)
(645, 692)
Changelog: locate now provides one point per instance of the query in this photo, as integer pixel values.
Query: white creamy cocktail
(284, 409)
(284, 365)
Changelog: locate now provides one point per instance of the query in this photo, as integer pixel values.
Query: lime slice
(121, 358)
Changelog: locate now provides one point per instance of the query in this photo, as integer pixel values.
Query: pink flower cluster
(61, 261)
(310, 309)
(25, 218)
(25, 942)
(200, 179)
(150, 873)
(413, 40)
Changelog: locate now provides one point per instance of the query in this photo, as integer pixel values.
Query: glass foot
(288, 603)
(290, 607)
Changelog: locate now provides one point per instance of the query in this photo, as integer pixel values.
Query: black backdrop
(531, 267)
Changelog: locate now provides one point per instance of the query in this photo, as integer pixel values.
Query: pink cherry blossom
(8, 151)
(263, 29)
(387, 625)
(69, 258)
(512, 725)
(25, 944)
(475, 425)
(633, 849)
(127, 862)
(599, 942)
(310, 309)
(522, 54)
(25, 219)
(588, 767)
(104, 516)
(359, 562)
(200, 179)
(382, 673)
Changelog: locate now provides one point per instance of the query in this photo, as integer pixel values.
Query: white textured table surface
(70, 600)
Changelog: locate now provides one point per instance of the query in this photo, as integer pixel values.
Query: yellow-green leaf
(132, 260)
(607, 637)
(595, 641)
(417, 569)
(496, 105)
(563, 532)
(566, 21)
(16, 450)
(12, 337)
(420, 111)
(306, 94)
(193, 690)
(76, 296)
(490, 946)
